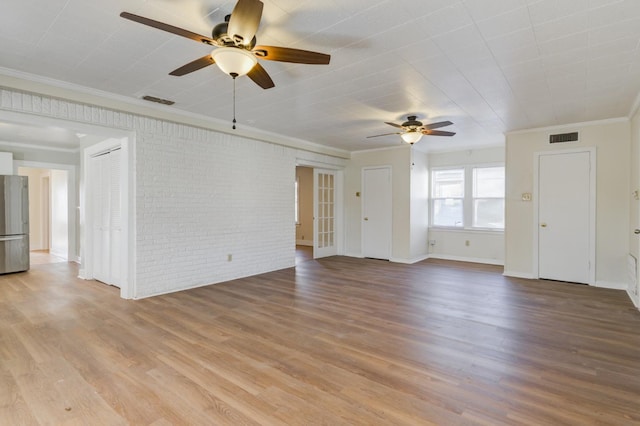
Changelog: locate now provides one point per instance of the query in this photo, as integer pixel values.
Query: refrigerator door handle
(12, 238)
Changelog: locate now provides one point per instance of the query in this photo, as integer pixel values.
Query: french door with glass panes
(324, 207)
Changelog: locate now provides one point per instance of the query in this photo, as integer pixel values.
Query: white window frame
(468, 199)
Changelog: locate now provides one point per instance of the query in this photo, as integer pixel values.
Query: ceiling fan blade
(296, 56)
(437, 133)
(259, 76)
(384, 134)
(205, 61)
(393, 124)
(169, 28)
(437, 125)
(244, 21)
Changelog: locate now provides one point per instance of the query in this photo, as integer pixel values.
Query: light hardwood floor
(334, 341)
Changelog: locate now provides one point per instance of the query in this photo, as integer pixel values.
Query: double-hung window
(470, 197)
(448, 197)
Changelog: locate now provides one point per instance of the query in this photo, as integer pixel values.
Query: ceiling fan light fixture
(411, 137)
(234, 61)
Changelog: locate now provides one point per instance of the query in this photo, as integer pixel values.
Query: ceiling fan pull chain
(234, 103)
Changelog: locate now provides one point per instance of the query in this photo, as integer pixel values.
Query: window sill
(488, 231)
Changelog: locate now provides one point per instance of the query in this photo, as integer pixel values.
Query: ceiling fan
(236, 51)
(413, 130)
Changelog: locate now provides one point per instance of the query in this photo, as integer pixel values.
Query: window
(488, 197)
(448, 197)
(468, 197)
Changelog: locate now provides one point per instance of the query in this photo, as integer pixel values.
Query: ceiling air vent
(158, 100)
(564, 137)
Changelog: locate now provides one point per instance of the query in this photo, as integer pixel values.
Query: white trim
(516, 274)
(611, 285)
(39, 147)
(570, 126)
(386, 148)
(635, 106)
(592, 207)
(483, 231)
(127, 252)
(633, 299)
(356, 255)
(467, 259)
(409, 261)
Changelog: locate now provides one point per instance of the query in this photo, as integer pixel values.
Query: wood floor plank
(333, 341)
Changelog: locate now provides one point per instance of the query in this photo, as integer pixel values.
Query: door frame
(389, 168)
(338, 200)
(72, 184)
(592, 207)
(127, 252)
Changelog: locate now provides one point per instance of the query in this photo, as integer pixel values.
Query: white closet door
(106, 216)
(376, 212)
(115, 218)
(564, 212)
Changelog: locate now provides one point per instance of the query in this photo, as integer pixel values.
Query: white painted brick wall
(200, 195)
(205, 198)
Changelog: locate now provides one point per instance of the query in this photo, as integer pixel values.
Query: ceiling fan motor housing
(219, 34)
(412, 122)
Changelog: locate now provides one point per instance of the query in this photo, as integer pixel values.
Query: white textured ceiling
(489, 66)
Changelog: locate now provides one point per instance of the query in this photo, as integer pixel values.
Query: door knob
(636, 231)
(366, 218)
(543, 225)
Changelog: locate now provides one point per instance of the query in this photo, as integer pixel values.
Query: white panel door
(376, 213)
(324, 207)
(106, 217)
(564, 216)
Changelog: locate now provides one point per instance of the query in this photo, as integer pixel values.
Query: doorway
(565, 216)
(319, 215)
(50, 234)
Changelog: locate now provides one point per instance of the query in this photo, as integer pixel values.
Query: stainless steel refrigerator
(14, 224)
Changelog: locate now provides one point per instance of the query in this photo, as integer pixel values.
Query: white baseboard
(610, 284)
(409, 261)
(467, 259)
(82, 274)
(304, 243)
(515, 274)
(358, 255)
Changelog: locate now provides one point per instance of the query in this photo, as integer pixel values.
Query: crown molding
(570, 126)
(30, 83)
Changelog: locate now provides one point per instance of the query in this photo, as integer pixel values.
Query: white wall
(483, 246)
(36, 241)
(399, 158)
(206, 196)
(198, 196)
(611, 139)
(59, 213)
(419, 216)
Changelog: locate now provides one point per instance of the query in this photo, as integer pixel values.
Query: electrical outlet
(467, 243)
(229, 257)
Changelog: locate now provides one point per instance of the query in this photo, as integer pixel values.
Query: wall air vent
(564, 137)
(158, 100)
